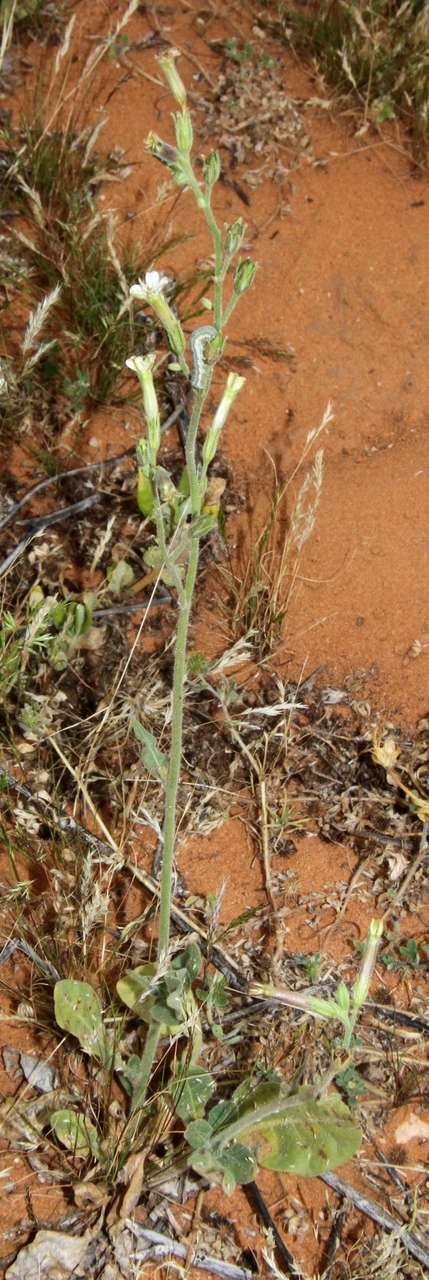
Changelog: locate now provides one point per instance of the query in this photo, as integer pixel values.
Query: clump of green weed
(51, 626)
(379, 49)
(31, 17)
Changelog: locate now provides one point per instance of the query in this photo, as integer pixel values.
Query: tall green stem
(203, 203)
(172, 785)
(175, 752)
(219, 266)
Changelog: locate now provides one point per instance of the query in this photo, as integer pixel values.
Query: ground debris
(251, 116)
(53, 1255)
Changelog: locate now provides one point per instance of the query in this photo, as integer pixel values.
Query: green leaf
(198, 665)
(154, 760)
(245, 1099)
(135, 984)
(78, 1011)
(204, 524)
(119, 576)
(214, 993)
(190, 959)
(352, 1084)
(383, 109)
(324, 1008)
(410, 953)
(76, 1133)
(198, 1133)
(307, 1138)
(240, 1163)
(236, 1164)
(153, 1002)
(191, 1088)
(153, 558)
(202, 1159)
(130, 1072)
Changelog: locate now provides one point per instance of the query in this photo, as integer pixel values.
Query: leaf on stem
(154, 760)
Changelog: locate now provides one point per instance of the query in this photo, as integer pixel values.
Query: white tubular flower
(143, 367)
(234, 384)
(141, 364)
(151, 290)
(175, 84)
(363, 981)
(154, 282)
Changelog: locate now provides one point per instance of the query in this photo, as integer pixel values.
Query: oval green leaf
(76, 1133)
(307, 1139)
(78, 1011)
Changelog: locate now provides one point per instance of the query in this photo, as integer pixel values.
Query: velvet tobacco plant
(265, 1121)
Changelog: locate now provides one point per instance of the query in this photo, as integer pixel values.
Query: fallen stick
(380, 1216)
(256, 1200)
(160, 1246)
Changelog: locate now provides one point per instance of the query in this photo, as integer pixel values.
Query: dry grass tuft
(376, 49)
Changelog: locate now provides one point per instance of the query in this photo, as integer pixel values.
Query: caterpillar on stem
(199, 341)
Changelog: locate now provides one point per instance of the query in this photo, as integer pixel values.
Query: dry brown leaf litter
(251, 116)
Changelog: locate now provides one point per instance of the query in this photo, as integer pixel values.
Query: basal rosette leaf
(307, 1138)
(76, 1133)
(237, 1164)
(190, 1090)
(78, 1011)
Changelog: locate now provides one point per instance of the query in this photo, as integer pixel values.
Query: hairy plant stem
(172, 785)
(203, 203)
(185, 596)
(220, 268)
(175, 752)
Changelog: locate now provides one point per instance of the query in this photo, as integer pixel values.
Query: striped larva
(199, 339)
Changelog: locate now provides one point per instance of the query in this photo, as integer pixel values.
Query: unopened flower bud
(161, 150)
(166, 489)
(342, 996)
(184, 131)
(363, 981)
(145, 494)
(244, 276)
(234, 237)
(212, 169)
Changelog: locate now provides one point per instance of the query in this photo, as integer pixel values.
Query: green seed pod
(145, 494)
